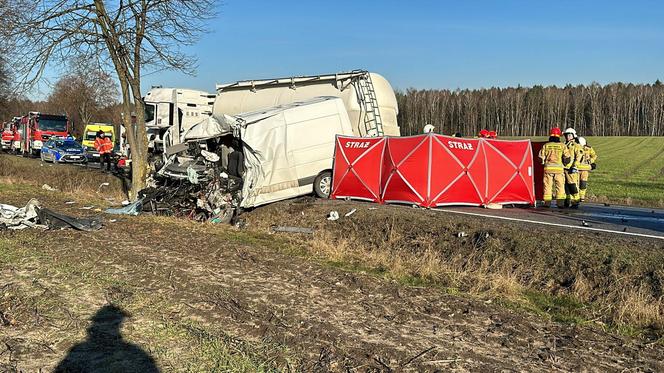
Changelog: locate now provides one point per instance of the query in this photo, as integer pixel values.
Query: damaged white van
(278, 153)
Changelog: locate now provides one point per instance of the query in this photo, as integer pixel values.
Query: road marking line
(548, 223)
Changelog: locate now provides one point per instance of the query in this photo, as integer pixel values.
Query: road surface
(635, 221)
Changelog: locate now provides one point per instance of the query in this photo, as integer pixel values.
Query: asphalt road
(635, 221)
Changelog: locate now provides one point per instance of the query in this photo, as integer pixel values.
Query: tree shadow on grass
(105, 350)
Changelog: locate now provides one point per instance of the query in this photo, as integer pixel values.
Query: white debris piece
(49, 188)
(333, 215)
(102, 185)
(210, 156)
(20, 218)
(351, 212)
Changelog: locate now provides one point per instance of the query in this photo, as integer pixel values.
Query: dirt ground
(181, 281)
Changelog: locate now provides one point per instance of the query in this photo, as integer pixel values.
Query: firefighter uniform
(572, 173)
(554, 156)
(585, 166)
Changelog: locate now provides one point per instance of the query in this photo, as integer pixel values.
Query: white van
(287, 150)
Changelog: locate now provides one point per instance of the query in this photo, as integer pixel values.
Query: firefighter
(572, 171)
(104, 146)
(493, 135)
(554, 156)
(585, 166)
(484, 134)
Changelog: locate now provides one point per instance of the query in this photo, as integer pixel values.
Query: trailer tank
(368, 98)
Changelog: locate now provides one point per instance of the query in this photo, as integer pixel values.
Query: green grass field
(629, 170)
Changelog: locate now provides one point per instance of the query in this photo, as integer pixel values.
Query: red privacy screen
(433, 170)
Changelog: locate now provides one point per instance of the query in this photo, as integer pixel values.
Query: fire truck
(36, 128)
(7, 136)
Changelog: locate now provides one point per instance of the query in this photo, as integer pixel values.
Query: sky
(430, 44)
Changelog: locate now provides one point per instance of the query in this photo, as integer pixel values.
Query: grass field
(385, 287)
(629, 170)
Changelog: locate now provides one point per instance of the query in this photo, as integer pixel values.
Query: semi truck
(368, 99)
(173, 109)
(37, 128)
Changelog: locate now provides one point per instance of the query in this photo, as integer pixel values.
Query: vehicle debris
(333, 215)
(349, 213)
(20, 218)
(34, 216)
(49, 188)
(102, 185)
(303, 230)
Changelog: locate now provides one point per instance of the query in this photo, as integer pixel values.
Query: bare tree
(129, 37)
(84, 94)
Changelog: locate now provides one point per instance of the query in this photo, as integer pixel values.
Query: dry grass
(567, 277)
(83, 183)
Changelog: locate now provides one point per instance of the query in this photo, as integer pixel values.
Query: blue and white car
(58, 150)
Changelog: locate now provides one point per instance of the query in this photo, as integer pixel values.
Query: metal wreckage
(225, 164)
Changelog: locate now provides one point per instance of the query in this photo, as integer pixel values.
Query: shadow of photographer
(105, 350)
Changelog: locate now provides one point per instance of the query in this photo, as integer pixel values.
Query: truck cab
(37, 128)
(7, 136)
(173, 110)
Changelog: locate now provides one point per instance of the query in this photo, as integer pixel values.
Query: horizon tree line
(616, 109)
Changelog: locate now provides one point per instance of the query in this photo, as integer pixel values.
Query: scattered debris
(34, 216)
(349, 213)
(113, 220)
(333, 215)
(493, 206)
(128, 209)
(56, 220)
(86, 208)
(49, 188)
(584, 223)
(303, 230)
(125, 203)
(462, 234)
(70, 202)
(102, 185)
(20, 218)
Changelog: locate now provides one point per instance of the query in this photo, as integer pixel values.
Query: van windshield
(92, 135)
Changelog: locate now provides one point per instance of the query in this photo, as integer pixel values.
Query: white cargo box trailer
(367, 97)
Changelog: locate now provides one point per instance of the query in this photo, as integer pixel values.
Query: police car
(65, 150)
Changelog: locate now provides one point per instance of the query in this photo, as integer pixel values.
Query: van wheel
(323, 184)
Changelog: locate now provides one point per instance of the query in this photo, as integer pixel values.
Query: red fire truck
(36, 128)
(7, 136)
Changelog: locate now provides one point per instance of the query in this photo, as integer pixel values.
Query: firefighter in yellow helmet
(555, 157)
(572, 171)
(585, 166)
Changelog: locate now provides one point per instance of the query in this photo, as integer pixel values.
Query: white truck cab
(176, 109)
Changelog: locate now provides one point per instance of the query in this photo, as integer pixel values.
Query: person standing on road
(572, 172)
(104, 146)
(585, 166)
(554, 156)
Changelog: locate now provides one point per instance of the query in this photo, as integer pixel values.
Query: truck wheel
(323, 184)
